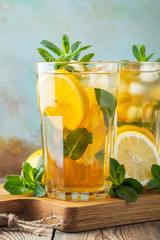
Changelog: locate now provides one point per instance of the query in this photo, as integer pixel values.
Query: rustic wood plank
(22, 235)
(141, 231)
(87, 235)
(82, 216)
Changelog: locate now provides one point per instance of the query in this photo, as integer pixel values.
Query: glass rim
(75, 62)
(136, 62)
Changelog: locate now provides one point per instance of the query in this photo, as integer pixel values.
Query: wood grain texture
(22, 236)
(82, 216)
(142, 231)
(87, 235)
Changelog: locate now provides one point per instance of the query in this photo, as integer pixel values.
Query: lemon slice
(71, 100)
(34, 157)
(137, 153)
(134, 128)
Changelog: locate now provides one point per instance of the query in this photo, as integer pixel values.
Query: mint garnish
(125, 188)
(107, 103)
(46, 55)
(76, 143)
(28, 182)
(139, 53)
(87, 58)
(69, 53)
(155, 181)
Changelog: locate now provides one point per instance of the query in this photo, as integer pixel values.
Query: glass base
(77, 196)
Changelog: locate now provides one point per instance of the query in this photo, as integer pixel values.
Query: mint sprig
(124, 188)
(28, 182)
(155, 181)
(69, 53)
(139, 52)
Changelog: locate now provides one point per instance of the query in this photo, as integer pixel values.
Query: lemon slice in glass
(137, 153)
(71, 100)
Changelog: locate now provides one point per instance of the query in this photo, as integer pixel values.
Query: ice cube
(149, 73)
(138, 89)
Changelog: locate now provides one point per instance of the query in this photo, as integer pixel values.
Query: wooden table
(141, 231)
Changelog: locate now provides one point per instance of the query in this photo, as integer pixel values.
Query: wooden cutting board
(83, 216)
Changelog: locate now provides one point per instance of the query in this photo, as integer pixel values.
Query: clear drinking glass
(137, 136)
(77, 103)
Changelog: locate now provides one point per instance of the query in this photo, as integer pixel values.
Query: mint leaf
(107, 103)
(113, 180)
(120, 173)
(147, 58)
(45, 55)
(135, 52)
(65, 43)
(142, 51)
(139, 53)
(75, 58)
(112, 192)
(74, 46)
(139, 124)
(39, 165)
(153, 183)
(16, 187)
(38, 174)
(155, 170)
(39, 190)
(133, 183)
(39, 170)
(28, 175)
(51, 46)
(87, 58)
(127, 193)
(76, 143)
(13, 178)
(125, 188)
(66, 57)
(27, 180)
(114, 165)
(100, 156)
(27, 168)
(80, 49)
(158, 60)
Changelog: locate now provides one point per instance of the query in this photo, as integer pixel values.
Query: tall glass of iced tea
(77, 103)
(137, 141)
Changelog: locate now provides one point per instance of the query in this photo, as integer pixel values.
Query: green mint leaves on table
(76, 143)
(155, 181)
(139, 53)
(124, 188)
(28, 182)
(69, 52)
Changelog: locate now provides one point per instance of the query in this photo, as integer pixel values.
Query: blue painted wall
(111, 26)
